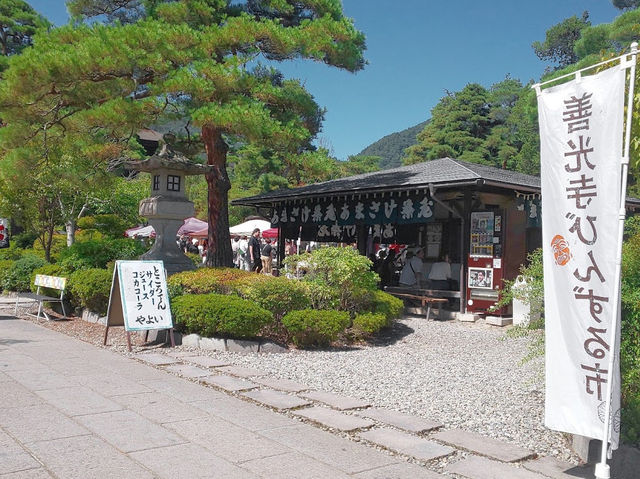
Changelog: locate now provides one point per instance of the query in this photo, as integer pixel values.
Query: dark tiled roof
(445, 171)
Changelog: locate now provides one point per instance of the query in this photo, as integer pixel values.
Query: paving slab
(189, 461)
(159, 407)
(348, 456)
(229, 383)
(281, 384)
(129, 431)
(205, 361)
(178, 353)
(292, 466)
(402, 470)
(335, 401)
(13, 394)
(245, 414)
(406, 422)
(333, 419)
(86, 457)
(483, 445)
(13, 458)
(42, 379)
(275, 399)
(38, 423)
(29, 474)
(113, 383)
(187, 371)
(78, 400)
(183, 389)
(556, 469)
(407, 444)
(228, 441)
(156, 359)
(13, 361)
(241, 371)
(475, 467)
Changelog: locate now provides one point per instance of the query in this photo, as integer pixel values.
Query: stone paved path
(72, 410)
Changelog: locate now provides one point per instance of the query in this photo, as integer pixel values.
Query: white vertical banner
(581, 132)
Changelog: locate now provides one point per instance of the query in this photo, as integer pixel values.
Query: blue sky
(417, 50)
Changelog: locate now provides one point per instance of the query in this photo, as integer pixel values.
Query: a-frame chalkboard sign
(139, 300)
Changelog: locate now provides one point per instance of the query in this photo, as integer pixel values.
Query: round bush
(388, 305)
(227, 315)
(5, 266)
(366, 324)
(310, 327)
(279, 295)
(97, 253)
(18, 277)
(90, 288)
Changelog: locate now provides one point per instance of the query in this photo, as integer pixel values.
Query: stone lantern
(168, 205)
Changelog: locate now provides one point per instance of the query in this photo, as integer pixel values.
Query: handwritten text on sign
(145, 302)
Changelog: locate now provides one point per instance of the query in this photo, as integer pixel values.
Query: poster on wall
(4, 233)
(480, 278)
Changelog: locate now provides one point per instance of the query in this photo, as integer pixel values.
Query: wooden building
(486, 219)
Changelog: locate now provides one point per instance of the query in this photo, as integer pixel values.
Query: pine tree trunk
(219, 240)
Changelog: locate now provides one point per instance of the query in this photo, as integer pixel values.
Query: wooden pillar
(464, 247)
(280, 250)
(362, 235)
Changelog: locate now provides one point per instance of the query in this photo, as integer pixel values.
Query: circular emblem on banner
(615, 422)
(561, 251)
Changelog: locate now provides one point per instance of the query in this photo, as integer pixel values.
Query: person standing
(440, 274)
(255, 263)
(243, 253)
(267, 257)
(411, 273)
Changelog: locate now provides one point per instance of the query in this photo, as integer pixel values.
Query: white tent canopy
(247, 227)
(140, 232)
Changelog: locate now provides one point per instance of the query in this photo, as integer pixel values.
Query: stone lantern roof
(169, 159)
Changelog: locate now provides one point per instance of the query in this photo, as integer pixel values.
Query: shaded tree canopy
(194, 57)
(560, 40)
(18, 24)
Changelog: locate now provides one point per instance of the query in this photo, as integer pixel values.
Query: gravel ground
(465, 375)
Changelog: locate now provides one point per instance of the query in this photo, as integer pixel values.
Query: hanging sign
(370, 210)
(4, 234)
(581, 149)
(139, 300)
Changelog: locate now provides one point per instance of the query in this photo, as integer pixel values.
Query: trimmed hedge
(219, 314)
(98, 253)
(279, 295)
(311, 327)
(367, 324)
(214, 280)
(388, 305)
(90, 288)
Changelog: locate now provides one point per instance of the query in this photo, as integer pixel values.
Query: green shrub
(98, 253)
(311, 327)
(5, 267)
(214, 280)
(13, 252)
(24, 240)
(90, 288)
(366, 324)
(279, 295)
(388, 305)
(342, 269)
(18, 276)
(321, 295)
(111, 226)
(58, 245)
(227, 315)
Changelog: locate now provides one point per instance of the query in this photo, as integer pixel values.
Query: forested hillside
(391, 148)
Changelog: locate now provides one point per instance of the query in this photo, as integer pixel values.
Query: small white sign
(143, 291)
(497, 263)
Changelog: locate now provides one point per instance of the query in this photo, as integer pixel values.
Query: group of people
(253, 253)
(412, 270)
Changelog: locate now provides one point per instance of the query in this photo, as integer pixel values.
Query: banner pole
(602, 470)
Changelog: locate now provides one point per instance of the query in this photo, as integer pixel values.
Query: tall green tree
(194, 55)
(560, 40)
(626, 4)
(18, 24)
